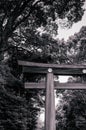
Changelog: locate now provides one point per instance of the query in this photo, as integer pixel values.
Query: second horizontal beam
(56, 85)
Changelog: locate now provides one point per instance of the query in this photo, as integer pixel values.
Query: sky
(65, 33)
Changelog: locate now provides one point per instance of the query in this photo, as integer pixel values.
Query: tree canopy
(77, 46)
(15, 12)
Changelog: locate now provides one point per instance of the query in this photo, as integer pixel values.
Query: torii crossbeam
(49, 85)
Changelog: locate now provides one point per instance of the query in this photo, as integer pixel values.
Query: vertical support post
(50, 102)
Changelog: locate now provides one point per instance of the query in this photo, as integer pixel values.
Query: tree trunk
(3, 45)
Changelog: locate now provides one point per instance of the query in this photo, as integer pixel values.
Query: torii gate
(49, 85)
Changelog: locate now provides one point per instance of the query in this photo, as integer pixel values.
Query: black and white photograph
(42, 64)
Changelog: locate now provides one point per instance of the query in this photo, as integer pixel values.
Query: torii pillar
(50, 102)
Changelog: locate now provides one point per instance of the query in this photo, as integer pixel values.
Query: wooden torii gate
(50, 70)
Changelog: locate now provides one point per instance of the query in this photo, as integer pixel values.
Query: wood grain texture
(32, 67)
(56, 85)
(57, 71)
(50, 103)
(43, 65)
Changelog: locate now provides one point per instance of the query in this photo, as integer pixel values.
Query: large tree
(15, 12)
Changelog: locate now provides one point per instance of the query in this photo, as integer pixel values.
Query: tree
(77, 46)
(17, 110)
(71, 112)
(14, 12)
(32, 46)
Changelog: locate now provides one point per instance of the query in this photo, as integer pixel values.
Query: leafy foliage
(32, 46)
(71, 112)
(77, 46)
(17, 110)
(14, 12)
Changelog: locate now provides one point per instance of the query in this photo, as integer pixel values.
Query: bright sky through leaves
(65, 33)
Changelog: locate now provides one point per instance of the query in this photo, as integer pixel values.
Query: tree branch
(68, 58)
(14, 15)
(25, 17)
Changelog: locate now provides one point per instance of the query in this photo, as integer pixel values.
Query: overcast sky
(65, 33)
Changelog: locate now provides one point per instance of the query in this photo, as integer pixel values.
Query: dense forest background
(20, 39)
